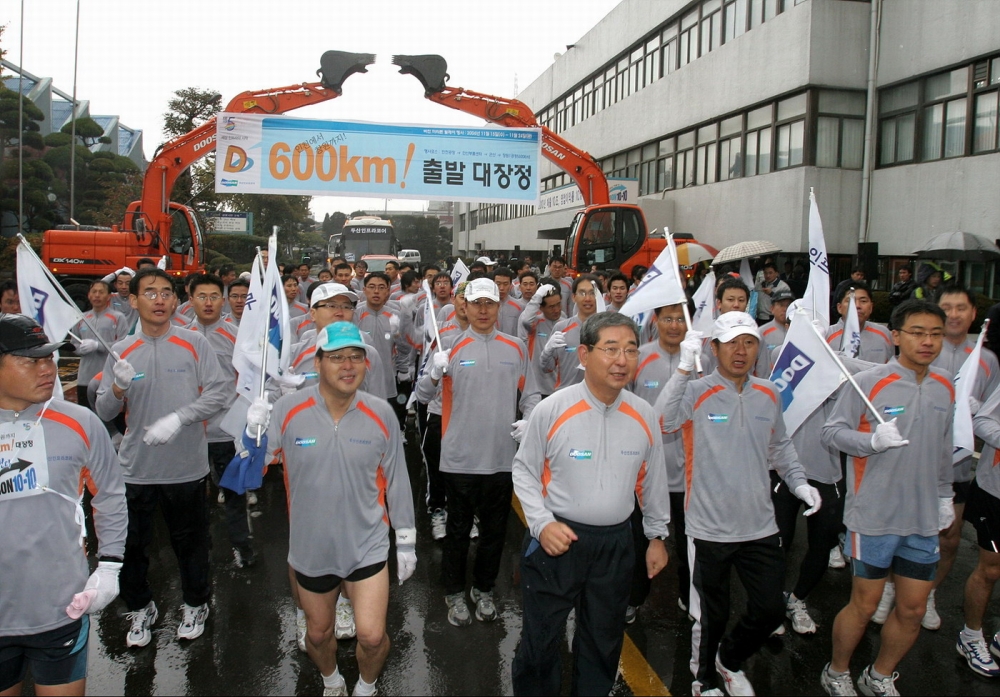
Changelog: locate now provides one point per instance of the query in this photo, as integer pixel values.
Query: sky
(133, 54)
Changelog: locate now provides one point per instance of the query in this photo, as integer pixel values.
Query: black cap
(22, 336)
(782, 295)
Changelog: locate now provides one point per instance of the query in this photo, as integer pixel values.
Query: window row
(950, 114)
(681, 40)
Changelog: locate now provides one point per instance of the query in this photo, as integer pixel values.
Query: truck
(361, 235)
(603, 234)
(154, 226)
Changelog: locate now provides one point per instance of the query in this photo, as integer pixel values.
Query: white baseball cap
(730, 325)
(487, 261)
(482, 288)
(332, 290)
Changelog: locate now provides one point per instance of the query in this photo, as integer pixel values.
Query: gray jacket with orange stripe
(586, 461)
(177, 372)
(986, 424)
(222, 337)
(534, 330)
(303, 363)
(656, 367)
(895, 492)
(110, 326)
(479, 401)
(876, 341)
(731, 440)
(564, 363)
(509, 315)
(345, 487)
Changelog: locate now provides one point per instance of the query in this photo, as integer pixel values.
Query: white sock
(300, 614)
(971, 634)
(363, 689)
(334, 679)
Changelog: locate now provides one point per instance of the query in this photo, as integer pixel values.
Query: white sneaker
(300, 632)
(886, 603)
(221, 498)
(345, 628)
(797, 612)
(836, 685)
(251, 498)
(978, 656)
(931, 619)
(837, 560)
(339, 690)
(142, 620)
(877, 687)
(736, 681)
(439, 524)
(486, 611)
(192, 623)
(458, 610)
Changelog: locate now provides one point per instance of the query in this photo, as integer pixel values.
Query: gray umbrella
(745, 250)
(959, 246)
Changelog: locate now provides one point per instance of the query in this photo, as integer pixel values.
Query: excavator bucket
(431, 70)
(337, 66)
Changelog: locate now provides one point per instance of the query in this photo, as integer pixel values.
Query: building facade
(727, 113)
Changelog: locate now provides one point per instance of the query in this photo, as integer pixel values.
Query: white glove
(87, 346)
(810, 496)
(403, 376)
(124, 374)
(887, 436)
(556, 341)
(519, 426)
(974, 405)
(406, 553)
(101, 589)
(259, 414)
(162, 430)
(127, 270)
(540, 294)
(439, 364)
(690, 350)
(394, 325)
(946, 513)
(289, 383)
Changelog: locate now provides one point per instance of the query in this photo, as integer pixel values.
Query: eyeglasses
(935, 336)
(671, 320)
(162, 294)
(339, 358)
(586, 293)
(613, 352)
(483, 302)
(233, 296)
(331, 306)
(214, 297)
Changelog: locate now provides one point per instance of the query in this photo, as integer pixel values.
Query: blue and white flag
(459, 273)
(817, 297)
(42, 298)
(704, 305)
(659, 287)
(850, 342)
(965, 383)
(804, 372)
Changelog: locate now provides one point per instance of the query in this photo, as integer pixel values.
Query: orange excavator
(154, 226)
(604, 234)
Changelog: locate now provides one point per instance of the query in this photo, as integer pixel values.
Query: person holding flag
(875, 344)
(559, 357)
(169, 382)
(899, 493)
(101, 320)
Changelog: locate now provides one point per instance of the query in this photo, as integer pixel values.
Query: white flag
(804, 372)
(850, 342)
(659, 287)
(817, 297)
(162, 263)
(459, 272)
(704, 305)
(263, 327)
(42, 298)
(965, 382)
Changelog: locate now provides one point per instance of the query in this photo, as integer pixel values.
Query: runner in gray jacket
(47, 446)
(100, 321)
(169, 382)
(560, 353)
(534, 328)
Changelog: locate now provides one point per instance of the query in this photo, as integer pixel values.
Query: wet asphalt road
(249, 643)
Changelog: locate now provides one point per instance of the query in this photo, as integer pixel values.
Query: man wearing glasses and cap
(347, 485)
(733, 433)
(168, 381)
(46, 597)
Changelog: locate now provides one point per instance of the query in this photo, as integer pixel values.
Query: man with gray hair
(588, 452)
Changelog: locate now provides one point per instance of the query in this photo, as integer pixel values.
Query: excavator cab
(431, 70)
(336, 66)
(605, 236)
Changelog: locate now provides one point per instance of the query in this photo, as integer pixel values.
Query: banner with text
(258, 154)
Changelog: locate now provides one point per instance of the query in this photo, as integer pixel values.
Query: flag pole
(847, 374)
(263, 352)
(687, 313)
(434, 322)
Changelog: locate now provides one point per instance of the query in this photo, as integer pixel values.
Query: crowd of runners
(625, 460)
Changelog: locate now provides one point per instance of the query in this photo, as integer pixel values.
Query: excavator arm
(432, 71)
(174, 157)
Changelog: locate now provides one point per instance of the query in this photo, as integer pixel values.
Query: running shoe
(780, 631)
(836, 684)
(474, 532)
(631, 612)
(698, 691)
(251, 498)
(995, 645)
(244, 558)
(192, 623)
(221, 498)
(796, 611)
(873, 687)
(736, 681)
(977, 654)
(486, 611)
(338, 690)
(142, 620)
(439, 524)
(300, 632)
(885, 604)
(458, 611)
(837, 560)
(345, 628)
(931, 620)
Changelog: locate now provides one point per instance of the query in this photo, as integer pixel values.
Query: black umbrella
(959, 246)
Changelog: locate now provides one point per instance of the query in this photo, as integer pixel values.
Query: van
(410, 255)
